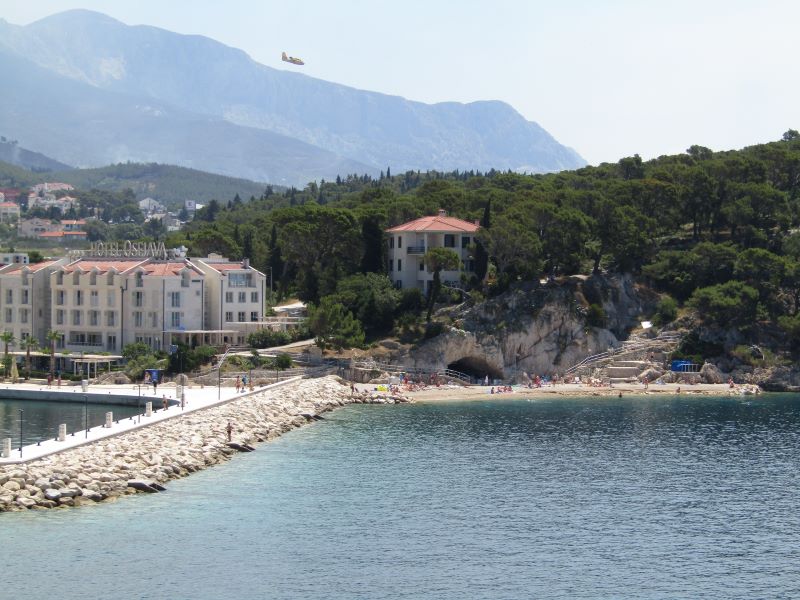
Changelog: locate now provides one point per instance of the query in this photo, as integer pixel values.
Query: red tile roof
(168, 269)
(103, 266)
(229, 266)
(437, 223)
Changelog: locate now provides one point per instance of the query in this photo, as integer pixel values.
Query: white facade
(409, 242)
(102, 304)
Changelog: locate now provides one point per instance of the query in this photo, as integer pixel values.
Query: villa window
(399, 241)
(175, 319)
(76, 317)
(240, 280)
(175, 299)
(399, 264)
(465, 240)
(139, 278)
(253, 296)
(23, 315)
(110, 318)
(421, 266)
(229, 297)
(78, 298)
(449, 240)
(60, 278)
(138, 318)
(111, 343)
(24, 299)
(138, 299)
(59, 317)
(60, 297)
(241, 316)
(94, 298)
(391, 243)
(94, 318)
(254, 316)
(228, 316)
(9, 296)
(242, 297)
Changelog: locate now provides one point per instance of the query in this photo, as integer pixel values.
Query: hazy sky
(609, 78)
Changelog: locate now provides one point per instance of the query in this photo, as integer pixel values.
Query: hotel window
(25, 279)
(391, 265)
(9, 296)
(110, 298)
(465, 240)
(111, 343)
(153, 317)
(399, 264)
(94, 318)
(76, 278)
(110, 318)
(138, 299)
(254, 316)
(9, 315)
(422, 266)
(449, 240)
(186, 279)
(24, 299)
(228, 316)
(175, 299)
(253, 296)
(241, 316)
(240, 280)
(78, 298)
(93, 278)
(60, 297)
(94, 298)
(175, 319)
(138, 318)
(242, 297)
(139, 278)
(110, 279)
(76, 317)
(399, 242)
(23, 315)
(391, 242)
(228, 296)
(60, 278)
(59, 317)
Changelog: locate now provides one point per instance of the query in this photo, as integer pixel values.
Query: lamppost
(20, 432)
(86, 414)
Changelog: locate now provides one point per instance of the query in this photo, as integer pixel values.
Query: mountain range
(89, 90)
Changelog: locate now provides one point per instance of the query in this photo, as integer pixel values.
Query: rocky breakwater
(147, 458)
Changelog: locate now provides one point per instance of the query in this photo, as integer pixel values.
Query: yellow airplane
(291, 59)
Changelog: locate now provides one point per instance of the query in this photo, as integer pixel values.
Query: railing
(629, 347)
(415, 249)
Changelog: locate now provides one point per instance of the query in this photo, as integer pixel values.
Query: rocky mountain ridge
(154, 76)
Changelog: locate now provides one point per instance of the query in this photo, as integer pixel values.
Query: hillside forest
(714, 232)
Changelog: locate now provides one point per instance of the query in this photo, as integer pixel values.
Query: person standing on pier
(229, 429)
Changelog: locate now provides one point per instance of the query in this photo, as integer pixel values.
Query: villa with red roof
(409, 242)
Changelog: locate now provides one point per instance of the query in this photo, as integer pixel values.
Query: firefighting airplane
(291, 59)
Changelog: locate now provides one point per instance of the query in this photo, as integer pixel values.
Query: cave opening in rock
(476, 367)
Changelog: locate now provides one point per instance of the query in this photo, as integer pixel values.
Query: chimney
(442, 212)
(246, 263)
(477, 222)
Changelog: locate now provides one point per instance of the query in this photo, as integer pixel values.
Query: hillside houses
(49, 229)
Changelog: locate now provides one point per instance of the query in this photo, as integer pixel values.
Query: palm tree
(7, 337)
(52, 337)
(29, 343)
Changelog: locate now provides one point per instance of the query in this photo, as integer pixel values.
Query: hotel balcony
(415, 250)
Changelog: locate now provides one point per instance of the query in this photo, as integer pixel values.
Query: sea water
(38, 420)
(656, 497)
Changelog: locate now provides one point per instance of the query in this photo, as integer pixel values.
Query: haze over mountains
(88, 90)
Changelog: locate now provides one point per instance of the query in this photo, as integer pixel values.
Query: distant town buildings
(48, 229)
(409, 242)
(9, 212)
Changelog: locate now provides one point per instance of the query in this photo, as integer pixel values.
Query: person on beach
(49, 380)
(229, 429)
(164, 401)
(352, 389)
(486, 380)
(238, 383)
(730, 383)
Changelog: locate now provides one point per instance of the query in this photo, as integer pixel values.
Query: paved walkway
(197, 398)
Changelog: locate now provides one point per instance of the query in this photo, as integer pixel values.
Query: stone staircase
(628, 362)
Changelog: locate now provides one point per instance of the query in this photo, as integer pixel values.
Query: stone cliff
(536, 329)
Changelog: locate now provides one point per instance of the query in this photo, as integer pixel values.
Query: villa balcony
(415, 250)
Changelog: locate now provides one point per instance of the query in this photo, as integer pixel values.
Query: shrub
(666, 311)
(728, 303)
(596, 316)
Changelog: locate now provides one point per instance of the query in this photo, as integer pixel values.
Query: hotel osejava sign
(126, 249)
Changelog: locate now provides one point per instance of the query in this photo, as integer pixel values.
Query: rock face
(170, 449)
(535, 329)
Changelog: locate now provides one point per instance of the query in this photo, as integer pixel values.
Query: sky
(609, 78)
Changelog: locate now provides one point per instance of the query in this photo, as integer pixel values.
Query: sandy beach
(480, 392)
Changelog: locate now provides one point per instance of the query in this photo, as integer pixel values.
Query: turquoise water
(563, 498)
(40, 420)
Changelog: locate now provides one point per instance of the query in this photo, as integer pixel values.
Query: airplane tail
(283, 56)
